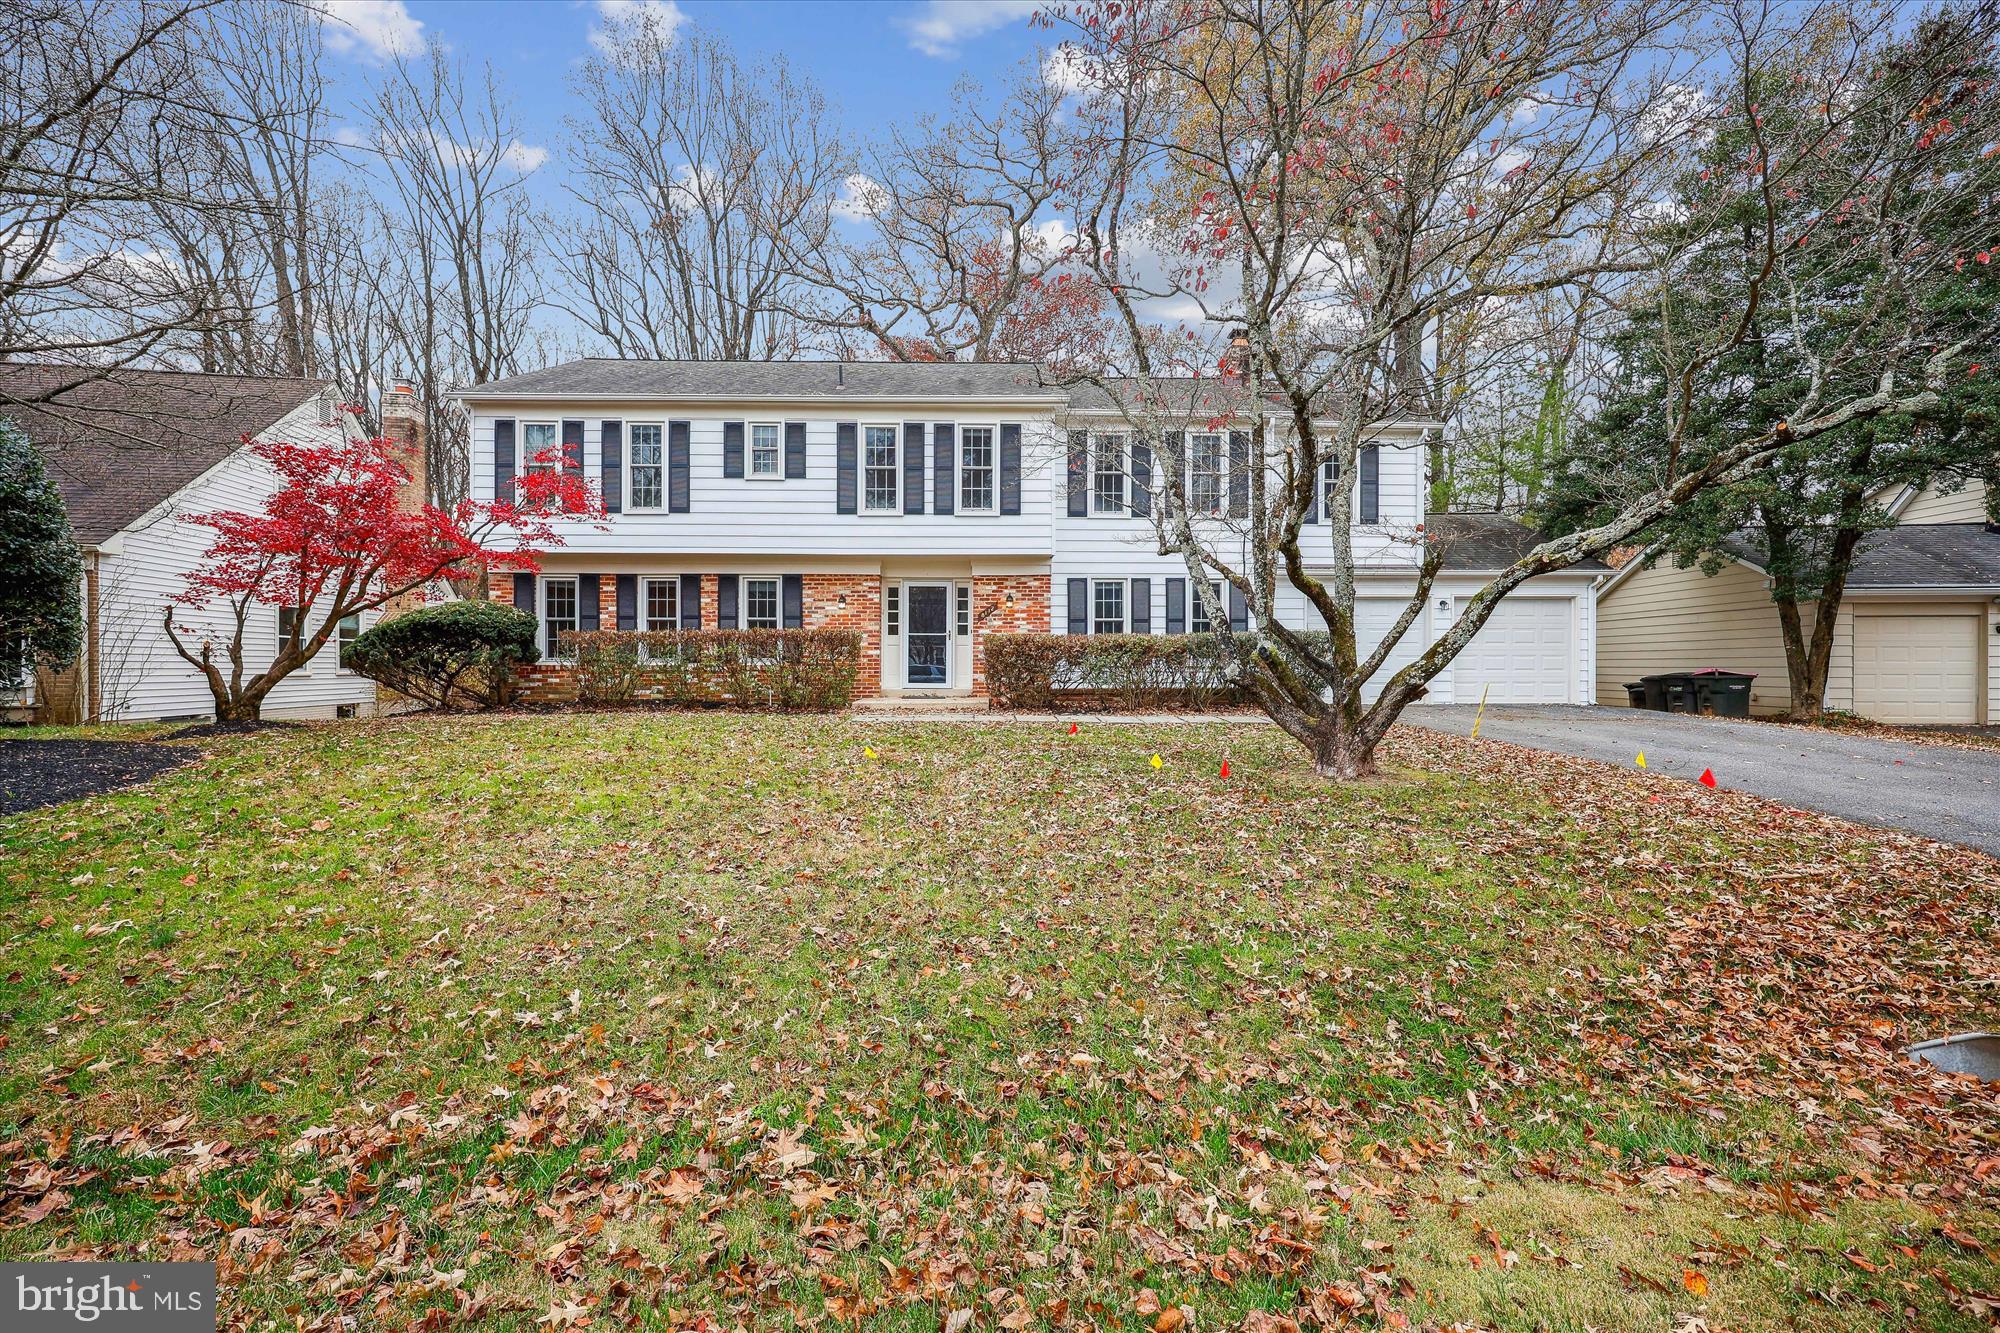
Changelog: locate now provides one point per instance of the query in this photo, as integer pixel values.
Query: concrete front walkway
(1947, 792)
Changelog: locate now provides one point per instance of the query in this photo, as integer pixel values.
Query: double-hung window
(541, 447)
(1198, 620)
(558, 614)
(1107, 475)
(760, 604)
(879, 487)
(975, 470)
(648, 467)
(1329, 472)
(660, 604)
(764, 449)
(1107, 606)
(1205, 473)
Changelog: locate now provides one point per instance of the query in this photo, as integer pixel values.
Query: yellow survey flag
(868, 750)
(1157, 761)
(1641, 761)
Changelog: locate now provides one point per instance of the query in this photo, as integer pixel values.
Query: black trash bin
(1635, 693)
(1723, 693)
(1670, 692)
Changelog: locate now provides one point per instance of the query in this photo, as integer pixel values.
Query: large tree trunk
(1342, 754)
(1805, 664)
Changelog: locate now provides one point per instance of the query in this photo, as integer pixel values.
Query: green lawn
(706, 1021)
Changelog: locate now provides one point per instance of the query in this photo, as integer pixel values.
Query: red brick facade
(862, 613)
(994, 613)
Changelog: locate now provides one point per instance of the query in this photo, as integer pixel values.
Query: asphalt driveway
(1940, 791)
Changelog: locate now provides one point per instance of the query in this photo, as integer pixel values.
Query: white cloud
(658, 19)
(523, 157)
(860, 199)
(377, 28)
(940, 26)
(1069, 70)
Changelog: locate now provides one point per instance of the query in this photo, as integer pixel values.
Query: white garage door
(1524, 654)
(1374, 617)
(1913, 667)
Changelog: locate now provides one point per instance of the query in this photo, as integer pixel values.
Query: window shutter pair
(1176, 606)
(677, 469)
(1079, 474)
(732, 449)
(846, 484)
(572, 448)
(944, 499)
(913, 467)
(1079, 606)
(503, 462)
(611, 456)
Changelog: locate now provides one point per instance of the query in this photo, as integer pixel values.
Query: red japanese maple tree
(338, 537)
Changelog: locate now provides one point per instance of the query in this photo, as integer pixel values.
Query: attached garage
(1919, 664)
(1524, 654)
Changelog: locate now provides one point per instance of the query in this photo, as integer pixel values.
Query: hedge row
(1125, 671)
(787, 670)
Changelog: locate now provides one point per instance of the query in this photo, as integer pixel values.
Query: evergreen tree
(41, 573)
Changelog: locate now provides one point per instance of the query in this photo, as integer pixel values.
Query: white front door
(1525, 653)
(927, 635)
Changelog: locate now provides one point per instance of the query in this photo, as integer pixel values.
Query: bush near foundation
(781, 670)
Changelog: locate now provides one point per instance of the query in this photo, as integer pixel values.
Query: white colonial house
(134, 454)
(930, 505)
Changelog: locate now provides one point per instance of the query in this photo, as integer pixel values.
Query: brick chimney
(403, 423)
(1236, 361)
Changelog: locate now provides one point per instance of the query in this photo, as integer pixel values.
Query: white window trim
(542, 587)
(892, 611)
(993, 452)
(1124, 605)
(895, 471)
(632, 466)
(777, 472)
(528, 463)
(646, 583)
(777, 600)
(1097, 440)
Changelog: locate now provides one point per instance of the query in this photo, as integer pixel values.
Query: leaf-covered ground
(708, 1022)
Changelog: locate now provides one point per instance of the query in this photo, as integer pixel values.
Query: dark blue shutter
(572, 448)
(690, 601)
(524, 595)
(725, 600)
(611, 452)
(913, 467)
(795, 450)
(503, 460)
(1239, 614)
(1079, 473)
(1176, 606)
(677, 467)
(792, 597)
(628, 601)
(1175, 459)
(944, 463)
(1079, 606)
(586, 601)
(732, 448)
(1239, 474)
(1010, 469)
(1142, 480)
(1142, 606)
(846, 491)
(1371, 484)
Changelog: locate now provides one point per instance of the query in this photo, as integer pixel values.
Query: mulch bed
(38, 773)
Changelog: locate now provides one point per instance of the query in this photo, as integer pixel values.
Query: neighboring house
(134, 454)
(930, 505)
(1918, 638)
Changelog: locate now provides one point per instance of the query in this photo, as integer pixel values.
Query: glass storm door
(927, 633)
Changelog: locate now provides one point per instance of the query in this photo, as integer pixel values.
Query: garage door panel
(1524, 654)
(1374, 617)
(1917, 667)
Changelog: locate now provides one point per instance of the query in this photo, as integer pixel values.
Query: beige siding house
(1918, 638)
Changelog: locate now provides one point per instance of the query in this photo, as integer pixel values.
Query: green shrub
(449, 654)
(1127, 671)
(786, 670)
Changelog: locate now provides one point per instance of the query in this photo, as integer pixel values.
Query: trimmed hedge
(1125, 671)
(448, 654)
(786, 670)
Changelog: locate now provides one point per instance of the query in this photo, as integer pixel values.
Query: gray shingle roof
(1915, 555)
(1487, 543)
(614, 378)
(119, 445)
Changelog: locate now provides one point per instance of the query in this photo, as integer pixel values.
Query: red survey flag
(1225, 768)
(1707, 778)
(1072, 728)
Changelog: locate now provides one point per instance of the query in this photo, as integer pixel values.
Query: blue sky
(880, 62)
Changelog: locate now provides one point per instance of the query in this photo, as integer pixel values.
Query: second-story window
(879, 490)
(975, 470)
(1205, 473)
(764, 449)
(1107, 475)
(647, 486)
(541, 447)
